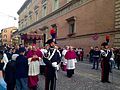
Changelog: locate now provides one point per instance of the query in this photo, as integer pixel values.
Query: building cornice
(76, 3)
(91, 34)
(26, 3)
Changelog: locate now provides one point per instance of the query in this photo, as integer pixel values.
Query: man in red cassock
(34, 56)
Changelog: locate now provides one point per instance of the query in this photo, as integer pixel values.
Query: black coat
(10, 71)
(50, 70)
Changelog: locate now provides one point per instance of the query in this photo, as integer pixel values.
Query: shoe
(108, 82)
(103, 81)
(93, 68)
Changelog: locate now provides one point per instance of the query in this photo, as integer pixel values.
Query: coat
(50, 70)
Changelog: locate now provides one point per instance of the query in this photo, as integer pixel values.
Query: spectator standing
(10, 72)
(91, 54)
(21, 71)
(96, 58)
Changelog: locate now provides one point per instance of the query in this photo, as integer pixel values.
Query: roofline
(23, 6)
(9, 28)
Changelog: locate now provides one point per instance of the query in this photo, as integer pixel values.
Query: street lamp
(8, 15)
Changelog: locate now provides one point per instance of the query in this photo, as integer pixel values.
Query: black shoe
(93, 68)
(108, 82)
(103, 81)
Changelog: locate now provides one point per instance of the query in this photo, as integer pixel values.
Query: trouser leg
(24, 83)
(47, 82)
(93, 64)
(53, 84)
(97, 63)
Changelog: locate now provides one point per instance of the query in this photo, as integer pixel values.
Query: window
(25, 20)
(55, 27)
(5, 36)
(44, 10)
(71, 27)
(30, 15)
(55, 4)
(5, 31)
(71, 24)
(36, 14)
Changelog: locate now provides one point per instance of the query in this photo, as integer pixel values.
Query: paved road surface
(84, 79)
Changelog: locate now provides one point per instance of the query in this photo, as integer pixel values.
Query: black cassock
(50, 71)
(105, 65)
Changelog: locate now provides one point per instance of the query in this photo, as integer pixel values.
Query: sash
(52, 54)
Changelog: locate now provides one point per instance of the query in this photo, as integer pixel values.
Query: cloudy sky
(8, 10)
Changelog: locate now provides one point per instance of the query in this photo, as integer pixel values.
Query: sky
(8, 10)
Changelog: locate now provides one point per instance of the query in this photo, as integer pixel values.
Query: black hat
(22, 49)
(104, 44)
(50, 41)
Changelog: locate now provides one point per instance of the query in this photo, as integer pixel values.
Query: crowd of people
(95, 57)
(21, 65)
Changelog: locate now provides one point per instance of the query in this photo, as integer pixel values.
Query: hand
(35, 56)
(54, 64)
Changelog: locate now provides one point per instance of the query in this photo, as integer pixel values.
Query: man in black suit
(51, 59)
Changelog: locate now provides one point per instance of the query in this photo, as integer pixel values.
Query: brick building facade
(81, 23)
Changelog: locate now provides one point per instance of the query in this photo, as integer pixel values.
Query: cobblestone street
(84, 79)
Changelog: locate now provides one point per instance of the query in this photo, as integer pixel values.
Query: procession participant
(96, 58)
(105, 58)
(64, 61)
(42, 64)
(51, 59)
(21, 70)
(10, 72)
(71, 60)
(34, 56)
(3, 85)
